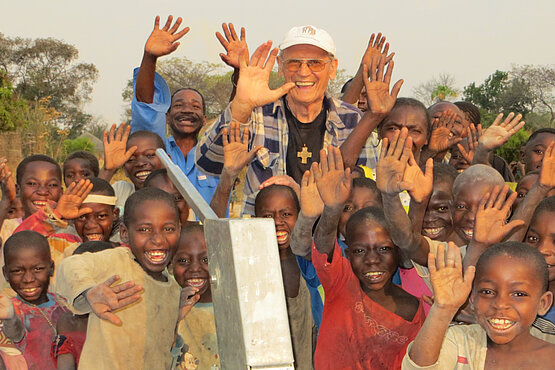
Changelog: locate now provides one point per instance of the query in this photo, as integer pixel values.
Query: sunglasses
(315, 65)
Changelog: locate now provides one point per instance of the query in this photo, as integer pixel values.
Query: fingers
(468, 277)
(271, 59)
(84, 211)
(111, 280)
(331, 158)
(176, 25)
(108, 316)
(324, 168)
(502, 197)
(120, 287)
(129, 153)
(157, 22)
(168, 23)
(432, 262)
(492, 197)
(305, 179)
(129, 292)
(497, 120)
(384, 149)
(440, 259)
(396, 88)
(429, 168)
(381, 67)
(127, 301)
(452, 252)
(253, 152)
(315, 168)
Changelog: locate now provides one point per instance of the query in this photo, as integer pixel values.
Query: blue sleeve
(151, 117)
(308, 272)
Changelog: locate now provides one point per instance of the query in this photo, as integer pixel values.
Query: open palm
(163, 41)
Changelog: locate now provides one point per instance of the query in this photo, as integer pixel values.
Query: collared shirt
(268, 127)
(152, 117)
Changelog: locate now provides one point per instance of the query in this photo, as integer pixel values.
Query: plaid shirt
(268, 127)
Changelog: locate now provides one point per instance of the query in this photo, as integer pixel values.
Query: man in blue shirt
(153, 106)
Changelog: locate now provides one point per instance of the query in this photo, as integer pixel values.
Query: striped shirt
(268, 127)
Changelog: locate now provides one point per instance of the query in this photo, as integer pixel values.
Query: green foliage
(12, 108)
(81, 143)
(510, 151)
(442, 92)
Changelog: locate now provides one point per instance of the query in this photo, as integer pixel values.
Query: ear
(5, 273)
(546, 300)
(17, 190)
(471, 302)
(51, 273)
(280, 67)
(115, 212)
(124, 233)
(333, 69)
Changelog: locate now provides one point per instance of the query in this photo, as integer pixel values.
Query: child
(198, 329)
(29, 320)
(541, 235)
(80, 165)
(280, 202)
(136, 153)
(364, 193)
(535, 148)
(71, 328)
(368, 321)
(102, 223)
(509, 290)
(159, 179)
(142, 336)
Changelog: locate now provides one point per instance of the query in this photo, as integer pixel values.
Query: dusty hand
(442, 138)
(6, 308)
(312, 205)
(499, 133)
(450, 287)
(282, 180)
(473, 134)
(393, 160)
(252, 88)
(236, 148)
(379, 100)
(233, 45)
(187, 300)
(420, 183)
(69, 205)
(376, 48)
(115, 142)
(105, 298)
(6, 181)
(547, 173)
(491, 225)
(164, 41)
(332, 179)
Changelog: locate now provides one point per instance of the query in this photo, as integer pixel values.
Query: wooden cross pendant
(304, 154)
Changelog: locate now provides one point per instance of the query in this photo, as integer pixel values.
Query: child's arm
(311, 208)
(8, 190)
(380, 102)
(394, 174)
(236, 157)
(233, 46)
(495, 136)
(115, 154)
(104, 299)
(490, 225)
(334, 186)
(546, 182)
(11, 324)
(451, 290)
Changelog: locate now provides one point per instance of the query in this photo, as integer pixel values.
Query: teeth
(468, 233)
(156, 256)
(282, 235)
(39, 203)
(142, 174)
(374, 274)
(196, 283)
(501, 323)
(94, 237)
(460, 170)
(433, 230)
(304, 83)
(29, 290)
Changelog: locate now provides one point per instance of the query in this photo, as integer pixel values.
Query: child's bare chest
(519, 361)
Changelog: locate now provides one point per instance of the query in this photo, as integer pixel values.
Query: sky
(466, 39)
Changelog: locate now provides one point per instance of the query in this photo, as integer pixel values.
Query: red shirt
(356, 332)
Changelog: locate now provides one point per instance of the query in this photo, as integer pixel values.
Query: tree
(48, 69)
(438, 88)
(12, 108)
(539, 82)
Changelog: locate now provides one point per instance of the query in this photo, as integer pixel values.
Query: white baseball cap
(308, 35)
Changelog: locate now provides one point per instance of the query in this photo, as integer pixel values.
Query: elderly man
(292, 129)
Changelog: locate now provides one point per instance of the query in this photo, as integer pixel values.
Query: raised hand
(187, 300)
(491, 225)
(69, 205)
(380, 101)
(232, 45)
(376, 47)
(442, 138)
(105, 298)
(6, 308)
(236, 148)
(282, 180)
(312, 205)
(547, 172)
(393, 160)
(115, 154)
(332, 179)
(164, 41)
(499, 133)
(6, 181)
(421, 184)
(252, 88)
(451, 288)
(473, 134)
